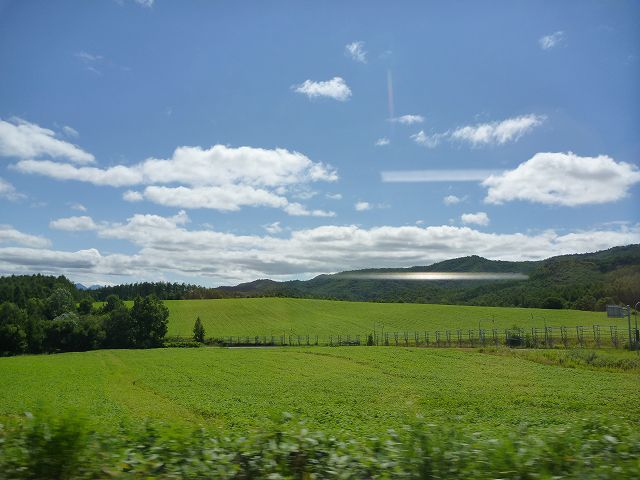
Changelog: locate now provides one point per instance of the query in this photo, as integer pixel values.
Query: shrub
(593, 449)
(553, 303)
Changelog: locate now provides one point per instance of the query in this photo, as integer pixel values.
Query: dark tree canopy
(150, 319)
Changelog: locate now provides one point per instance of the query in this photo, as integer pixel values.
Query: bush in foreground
(39, 448)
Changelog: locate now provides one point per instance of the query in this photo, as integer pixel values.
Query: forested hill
(583, 281)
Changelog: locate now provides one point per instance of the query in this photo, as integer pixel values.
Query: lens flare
(434, 276)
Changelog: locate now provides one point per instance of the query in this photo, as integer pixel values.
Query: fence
(594, 336)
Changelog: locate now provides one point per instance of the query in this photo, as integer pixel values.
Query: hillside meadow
(278, 316)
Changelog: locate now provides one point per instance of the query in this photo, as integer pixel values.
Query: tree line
(57, 323)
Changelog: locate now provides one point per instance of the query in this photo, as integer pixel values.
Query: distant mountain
(583, 281)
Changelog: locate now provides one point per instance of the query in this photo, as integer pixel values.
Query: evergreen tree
(198, 331)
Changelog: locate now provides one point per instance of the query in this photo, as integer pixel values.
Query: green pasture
(364, 390)
(289, 316)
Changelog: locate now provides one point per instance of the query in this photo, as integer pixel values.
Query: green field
(359, 389)
(278, 316)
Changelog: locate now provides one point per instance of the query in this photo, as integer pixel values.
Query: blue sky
(217, 142)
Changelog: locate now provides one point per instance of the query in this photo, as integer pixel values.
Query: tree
(150, 318)
(85, 306)
(553, 302)
(59, 302)
(198, 331)
(13, 338)
(111, 303)
(118, 328)
(60, 333)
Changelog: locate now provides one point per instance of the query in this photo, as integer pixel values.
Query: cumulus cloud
(78, 206)
(73, 224)
(408, 119)
(355, 51)
(298, 210)
(335, 88)
(22, 139)
(221, 177)
(132, 196)
(10, 235)
(563, 179)
(549, 41)
(482, 134)
(480, 218)
(273, 228)
(362, 206)
(334, 196)
(166, 246)
(451, 200)
(381, 142)
(9, 192)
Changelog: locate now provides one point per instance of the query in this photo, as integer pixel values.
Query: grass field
(278, 316)
(360, 389)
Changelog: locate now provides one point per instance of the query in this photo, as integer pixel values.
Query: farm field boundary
(594, 336)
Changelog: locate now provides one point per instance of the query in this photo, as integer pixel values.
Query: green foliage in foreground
(280, 316)
(66, 449)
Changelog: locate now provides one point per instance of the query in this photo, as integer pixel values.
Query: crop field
(363, 390)
(279, 316)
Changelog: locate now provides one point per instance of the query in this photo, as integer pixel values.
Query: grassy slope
(274, 316)
(361, 389)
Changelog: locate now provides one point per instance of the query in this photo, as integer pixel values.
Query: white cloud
(492, 133)
(466, 175)
(356, 51)
(362, 206)
(78, 206)
(132, 196)
(145, 3)
(70, 132)
(166, 247)
(73, 224)
(479, 218)
(194, 166)
(21, 139)
(498, 133)
(429, 141)
(221, 177)
(9, 192)
(298, 210)
(335, 88)
(563, 179)
(549, 41)
(226, 198)
(334, 196)
(408, 119)
(10, 235)
(381, 142)
(273, 228)
(451, 200)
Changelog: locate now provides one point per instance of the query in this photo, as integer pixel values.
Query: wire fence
(594, 336)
